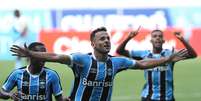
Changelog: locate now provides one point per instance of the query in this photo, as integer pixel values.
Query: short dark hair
(17, 13)
(157, 30)
(93, 33)
(32, 45)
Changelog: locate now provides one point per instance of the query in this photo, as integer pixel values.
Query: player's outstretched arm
(191, 51)
(43, 56)
(151, 63)
(121, 48)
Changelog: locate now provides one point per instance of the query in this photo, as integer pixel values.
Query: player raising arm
(67, 59)
(96, 71)
(159, 81)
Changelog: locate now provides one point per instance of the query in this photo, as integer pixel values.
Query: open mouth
(107, 46)
(158, 42)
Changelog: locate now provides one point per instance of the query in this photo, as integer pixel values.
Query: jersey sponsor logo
(33, 97)
(96, 83)
(72, 19)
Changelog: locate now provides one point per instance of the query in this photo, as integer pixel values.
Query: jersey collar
(34, 74)
(93, 56)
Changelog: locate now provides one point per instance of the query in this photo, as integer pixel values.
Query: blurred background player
(34, 82)
(159, 81)
(96, 71)
(20, 28)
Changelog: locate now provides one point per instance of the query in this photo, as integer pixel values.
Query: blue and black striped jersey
(159, 80)
(34, 87)
(94, 79)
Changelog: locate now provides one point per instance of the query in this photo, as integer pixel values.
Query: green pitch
(128, 84)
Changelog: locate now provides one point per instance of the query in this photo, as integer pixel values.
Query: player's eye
(102, 38)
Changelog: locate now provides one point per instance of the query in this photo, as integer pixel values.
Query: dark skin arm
(43, 56)
(66, 99)
(191, 51)
(59, 97)
(3, 95)
(151, 63)
(6, 95)
(121, 48)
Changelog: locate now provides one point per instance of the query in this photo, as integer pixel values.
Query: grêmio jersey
(94, 79)
(34, 87)
(159, 80)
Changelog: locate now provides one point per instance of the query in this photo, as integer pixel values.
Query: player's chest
(99, 70)
(32, 82)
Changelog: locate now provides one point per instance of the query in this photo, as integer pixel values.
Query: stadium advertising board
(72, 41)
(119, 22)
(63, 30)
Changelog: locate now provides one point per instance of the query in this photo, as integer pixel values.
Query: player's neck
(34, 69)
(100, 56)
(157, 50)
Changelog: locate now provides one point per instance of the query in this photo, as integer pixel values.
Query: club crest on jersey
(109, 71)
(42, 84)
(93, 70)
(25, 83)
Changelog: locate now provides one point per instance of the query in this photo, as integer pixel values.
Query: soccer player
(20, 28)
(34, 82)
(96, 71)
(159, 80)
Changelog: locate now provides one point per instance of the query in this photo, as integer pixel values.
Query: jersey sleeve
(56, 84)
(137, 54)
(10, 82)
(77, 58)
(124, 63)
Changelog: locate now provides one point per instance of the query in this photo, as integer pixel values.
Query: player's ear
(163, 41)
(92, 43)
(151, 41)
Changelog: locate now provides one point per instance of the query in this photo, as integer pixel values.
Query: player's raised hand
(14, 96)
(180, 55)
(19, 51)
(178, 35)
(134, 33)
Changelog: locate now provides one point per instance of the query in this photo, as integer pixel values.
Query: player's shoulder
(119, 58)
(142, 52)
(21, 69)
(79, 54)
(52, 75)
(114, 57)
(167, 51)
(17, 71)
(50, 71)
(145, 53)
